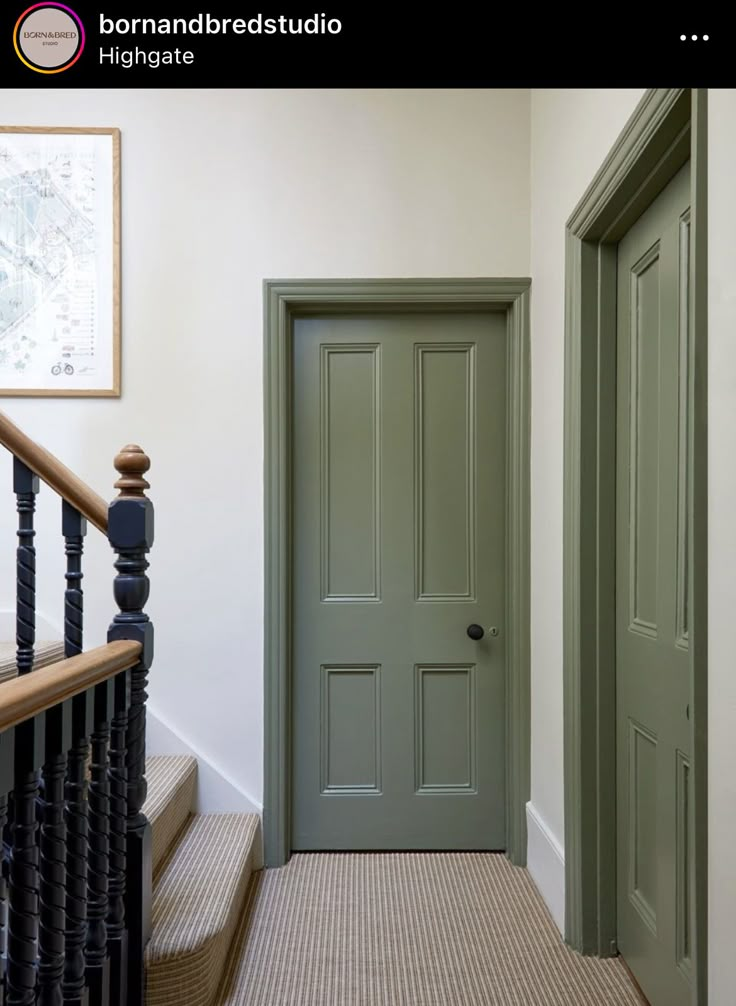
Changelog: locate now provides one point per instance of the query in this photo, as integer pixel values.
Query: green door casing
(399, 544)
(652, 589)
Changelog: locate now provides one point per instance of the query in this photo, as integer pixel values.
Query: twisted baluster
(25, 486)
(118, 832)
(23, 894)
(52, 876)
(23, 881)
(3, 884)
(118, 776)
(74, 529)
(76, 873)
(99, 846)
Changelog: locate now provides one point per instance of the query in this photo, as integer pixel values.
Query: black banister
(75, 884)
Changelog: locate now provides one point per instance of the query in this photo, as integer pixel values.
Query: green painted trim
(518, 521)
(699, 538)
(282, 300)
(661, 134)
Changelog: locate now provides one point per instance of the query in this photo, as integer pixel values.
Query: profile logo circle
(49, 37)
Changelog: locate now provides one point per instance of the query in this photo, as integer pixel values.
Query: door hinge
(614, 948)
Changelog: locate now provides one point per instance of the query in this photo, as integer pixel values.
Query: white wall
(572, 131)
(722, 539)
(222, 189)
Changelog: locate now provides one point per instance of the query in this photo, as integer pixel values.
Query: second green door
(652, 598)
(399, 469)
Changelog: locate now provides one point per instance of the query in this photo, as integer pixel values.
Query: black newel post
(130, 530)
(23, 902)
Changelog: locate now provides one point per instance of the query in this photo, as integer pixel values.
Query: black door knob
(475, 631)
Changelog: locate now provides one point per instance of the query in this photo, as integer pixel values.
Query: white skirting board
(546, 863)
(216, 794)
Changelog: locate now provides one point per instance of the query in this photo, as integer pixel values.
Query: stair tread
(171, 787)
(194, 895)
(46, 652)
(198, 898)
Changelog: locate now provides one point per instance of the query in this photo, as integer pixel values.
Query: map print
(56, 244)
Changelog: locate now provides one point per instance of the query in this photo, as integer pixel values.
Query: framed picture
(59, 261)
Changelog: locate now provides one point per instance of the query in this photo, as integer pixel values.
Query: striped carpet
(408, 929)
(172, 782)
(198, 898)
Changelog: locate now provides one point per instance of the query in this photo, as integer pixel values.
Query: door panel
(445, 716)
(399, 471)
(350, 465)
(351, 730)
(445, 456)
(652, 671)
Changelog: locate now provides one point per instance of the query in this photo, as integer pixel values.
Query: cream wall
(222, 189)
(722, 540)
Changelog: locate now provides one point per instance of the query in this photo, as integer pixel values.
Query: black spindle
(98, 858)
(3, 892)
(23, 913)
(7, 772)
(23, 880)
(117, 934)
(51, 942)
(76, 865)
(74, 529)
(130, 530)
(25, 486)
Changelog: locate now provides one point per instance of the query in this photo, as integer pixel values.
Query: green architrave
(283, 299)
(667, 128)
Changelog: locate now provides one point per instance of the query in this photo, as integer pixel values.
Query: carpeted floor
(409, 929)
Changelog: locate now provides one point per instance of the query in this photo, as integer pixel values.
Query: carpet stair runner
(202, 864)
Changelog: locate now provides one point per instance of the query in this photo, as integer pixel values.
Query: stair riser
(172, 787)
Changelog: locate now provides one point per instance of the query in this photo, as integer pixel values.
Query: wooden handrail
(24, 697)
(55, 474)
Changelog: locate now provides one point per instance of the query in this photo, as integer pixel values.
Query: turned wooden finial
(131, 464)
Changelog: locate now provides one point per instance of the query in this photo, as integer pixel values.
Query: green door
(653, 734)
(399, 468)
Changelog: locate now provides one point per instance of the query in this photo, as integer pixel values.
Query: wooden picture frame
(60, 302)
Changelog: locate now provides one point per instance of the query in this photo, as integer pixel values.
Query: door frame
(283, 301)
(667, 127)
